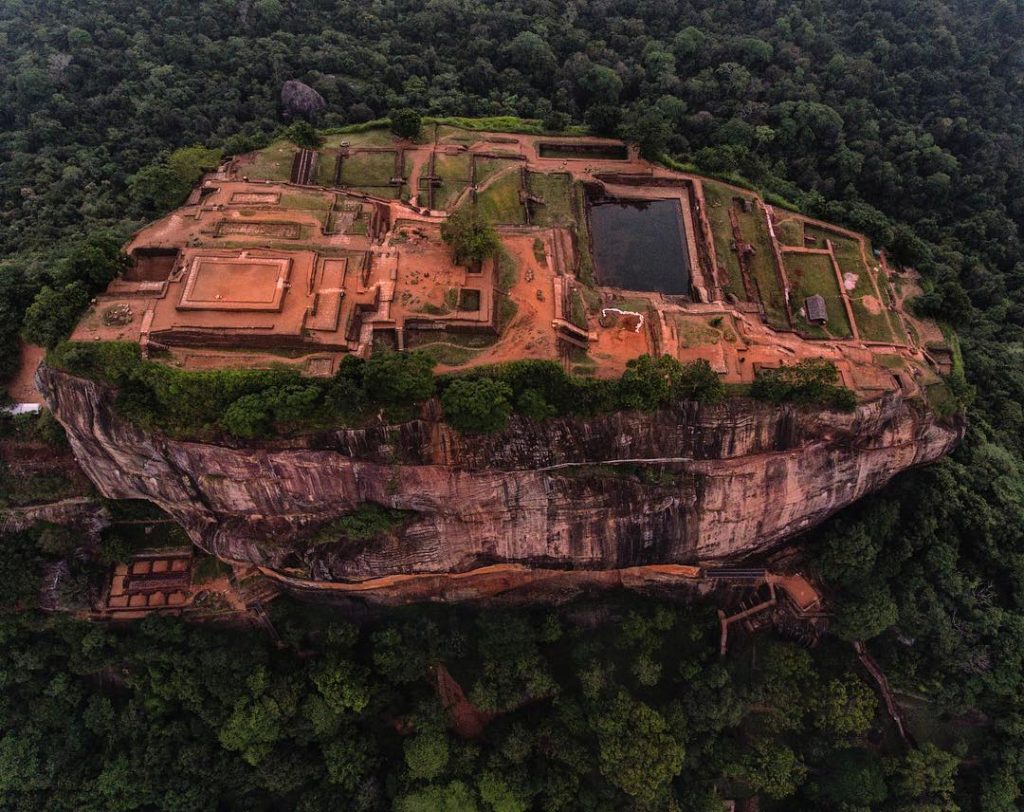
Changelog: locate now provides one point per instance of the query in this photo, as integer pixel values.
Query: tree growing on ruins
(406, 123)
(470, 236)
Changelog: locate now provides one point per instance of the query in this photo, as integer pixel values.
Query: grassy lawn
(452, 167)
(499, 203)
(718, 199)
(813, 273)
(381, 137)
(454, 171)
(790, 231)
(307, 202)
(488, 167)
(586, 268)
(556, 190)
(447, 194)
(325, 163)
(695, 331)
(368, 169)
(387, 192)
(456, 135)
(451, 355)
(872, 318)
(754, 228)
(274, 162)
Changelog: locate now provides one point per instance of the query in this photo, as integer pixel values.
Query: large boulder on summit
(299, 100)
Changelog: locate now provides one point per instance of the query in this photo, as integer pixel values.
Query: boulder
(299, 100)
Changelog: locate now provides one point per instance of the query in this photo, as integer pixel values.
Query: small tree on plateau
(406, 123)
(471, 237)
(477, 405)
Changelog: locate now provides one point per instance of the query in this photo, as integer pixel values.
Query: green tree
(426, 754)
(453, 797)
(399, 379)
(471, 238)
(53, 313)
(866, 613)
(925, 775)
(637, 753)
(649, 131)
(406, 123)
(771, 768)
(477, 405)
(303, 134)
(844, 707)
(189, 163)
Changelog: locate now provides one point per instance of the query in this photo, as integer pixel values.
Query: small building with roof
(814, 307)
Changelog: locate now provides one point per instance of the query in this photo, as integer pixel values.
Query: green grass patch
(446, 196)
(273, 162)
(718, 199)
(585, 271)
(385, 192)
(578, 310)
(453, 167)
(451, 355)
(539, 253)
(486, 168)
(790, 232)
(872, 326)
(556, 191)
(368, 169)
(810, 274)
(304, 201)
(508, 271)
(375, 136)
(761, 264)
(507, 310)
(325, 163)
(500, 203)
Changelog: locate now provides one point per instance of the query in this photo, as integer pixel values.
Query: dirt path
(22, 387)
(467, 719)
(883, 686)
(420, 157)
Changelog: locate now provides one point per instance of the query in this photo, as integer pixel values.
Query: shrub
(365, 522)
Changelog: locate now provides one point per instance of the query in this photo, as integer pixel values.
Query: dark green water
(640, 245)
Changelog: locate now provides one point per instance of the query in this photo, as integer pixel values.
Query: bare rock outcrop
(299, 100)
(693, 483)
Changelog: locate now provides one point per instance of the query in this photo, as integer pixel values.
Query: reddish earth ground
(412, 278)
(466, 718)
(22, 387)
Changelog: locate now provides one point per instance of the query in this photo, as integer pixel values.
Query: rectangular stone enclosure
(235, 283)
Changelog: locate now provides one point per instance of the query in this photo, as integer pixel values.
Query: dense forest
(903, 118)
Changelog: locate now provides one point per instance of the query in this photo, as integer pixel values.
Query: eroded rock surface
(726, 481)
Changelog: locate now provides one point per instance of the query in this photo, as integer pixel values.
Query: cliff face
(690, 484)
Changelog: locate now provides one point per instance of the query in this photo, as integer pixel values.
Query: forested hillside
(903, 119)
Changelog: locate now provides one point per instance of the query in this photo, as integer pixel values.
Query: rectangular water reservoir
(640, 245)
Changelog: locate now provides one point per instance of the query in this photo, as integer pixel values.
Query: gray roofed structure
(815, 308)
